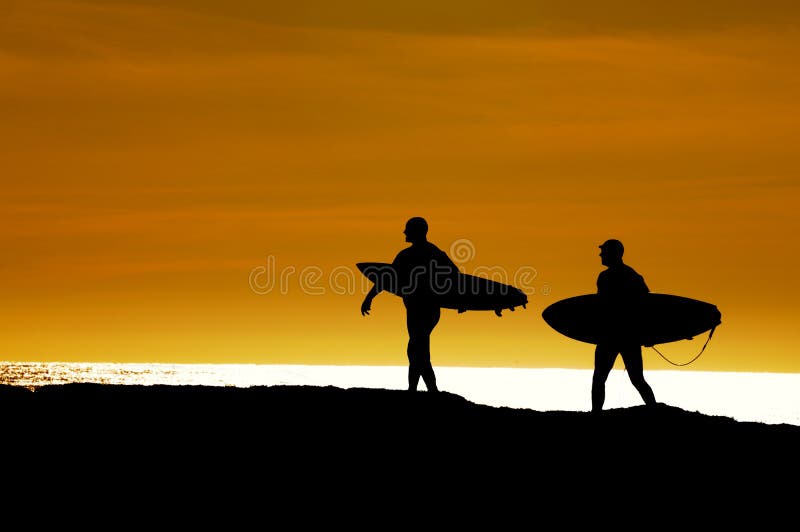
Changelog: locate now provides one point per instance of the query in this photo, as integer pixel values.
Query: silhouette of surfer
(622, 290)
(422, 271)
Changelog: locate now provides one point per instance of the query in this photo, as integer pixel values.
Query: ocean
(772, 398)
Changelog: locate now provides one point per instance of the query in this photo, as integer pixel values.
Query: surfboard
(462, 292)
(661, 318)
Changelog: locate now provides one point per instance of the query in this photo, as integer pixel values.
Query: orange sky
(157, 153)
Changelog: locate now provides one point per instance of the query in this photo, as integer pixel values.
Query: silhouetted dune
(319, 440)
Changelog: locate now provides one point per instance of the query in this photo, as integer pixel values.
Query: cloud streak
(571, 17)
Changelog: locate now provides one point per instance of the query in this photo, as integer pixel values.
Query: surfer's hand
(366, 306)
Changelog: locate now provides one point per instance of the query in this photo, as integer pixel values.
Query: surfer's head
(416, 230)
(611, 252)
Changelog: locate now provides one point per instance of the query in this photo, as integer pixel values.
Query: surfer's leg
(421, 321)
(413, 348)
(414, 370)
(632, 356)
(426, 368)
(603, 363)
(413, 377)
(419, 362)
(420, 324)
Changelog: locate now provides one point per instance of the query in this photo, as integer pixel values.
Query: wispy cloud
(491, 16)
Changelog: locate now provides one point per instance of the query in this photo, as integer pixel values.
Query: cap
(613, 245)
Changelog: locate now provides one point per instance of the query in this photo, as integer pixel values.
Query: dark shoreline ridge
(353, 413)
(307, 435)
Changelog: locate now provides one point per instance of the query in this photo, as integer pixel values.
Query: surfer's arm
(366, 306)
(645, 288)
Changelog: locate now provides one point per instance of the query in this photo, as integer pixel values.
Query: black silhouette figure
(621, 289)
(420, 270)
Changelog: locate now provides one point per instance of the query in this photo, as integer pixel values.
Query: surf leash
(710, 334)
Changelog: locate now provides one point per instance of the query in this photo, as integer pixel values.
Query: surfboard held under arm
(661, 318)
(461, 292)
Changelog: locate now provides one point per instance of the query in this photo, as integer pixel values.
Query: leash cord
(710, 334)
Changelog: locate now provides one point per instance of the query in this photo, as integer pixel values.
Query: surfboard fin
(499, 312)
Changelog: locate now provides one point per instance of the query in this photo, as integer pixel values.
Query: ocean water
(772, 398)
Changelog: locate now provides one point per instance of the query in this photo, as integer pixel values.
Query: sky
(194, 181)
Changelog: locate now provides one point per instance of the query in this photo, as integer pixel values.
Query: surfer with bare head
(417, 268)
(622, 290)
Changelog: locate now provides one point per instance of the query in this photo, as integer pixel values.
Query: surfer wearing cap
(622, 289)
(422, 270)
